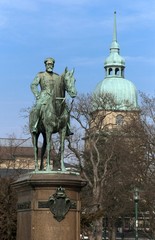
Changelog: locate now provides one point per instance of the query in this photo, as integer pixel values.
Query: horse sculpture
(54, 117)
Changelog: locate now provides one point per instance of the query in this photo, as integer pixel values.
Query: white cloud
(87, 61)
(68, 2)
(138, 14)
(3, 21)
(19, 4)
(140, 59)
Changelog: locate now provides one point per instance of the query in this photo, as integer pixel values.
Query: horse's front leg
(43, 149)
(62, 148)
(48, 147)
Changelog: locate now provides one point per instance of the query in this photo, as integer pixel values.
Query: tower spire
(114, 45)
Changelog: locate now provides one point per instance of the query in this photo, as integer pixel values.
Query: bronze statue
(50, 113)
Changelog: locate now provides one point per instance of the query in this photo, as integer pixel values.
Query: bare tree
(12, 162)
(8, 216)
(148, 194)
(111, 159)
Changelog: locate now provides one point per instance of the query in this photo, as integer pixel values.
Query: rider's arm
(34, 86)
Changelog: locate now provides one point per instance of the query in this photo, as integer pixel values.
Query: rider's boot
(34, 128)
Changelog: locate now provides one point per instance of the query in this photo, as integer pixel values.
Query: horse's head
(69, 81)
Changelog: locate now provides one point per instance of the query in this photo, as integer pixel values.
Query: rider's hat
(50, 60)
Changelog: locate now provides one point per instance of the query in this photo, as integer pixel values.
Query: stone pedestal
(35, 220)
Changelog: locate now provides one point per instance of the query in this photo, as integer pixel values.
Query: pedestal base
(35, 221)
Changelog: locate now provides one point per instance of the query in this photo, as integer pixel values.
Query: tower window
(117, 71)
(110, 71)
(119, 120)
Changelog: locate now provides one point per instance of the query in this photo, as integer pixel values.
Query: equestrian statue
(51, 114)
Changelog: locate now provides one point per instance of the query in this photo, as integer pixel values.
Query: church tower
(115, 85)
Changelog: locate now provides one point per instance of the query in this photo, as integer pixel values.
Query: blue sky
(77, 33)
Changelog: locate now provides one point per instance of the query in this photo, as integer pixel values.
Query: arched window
(117, 71)
(110, 71)
(119, 120)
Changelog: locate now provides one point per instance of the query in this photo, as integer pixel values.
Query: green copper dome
(122, 90)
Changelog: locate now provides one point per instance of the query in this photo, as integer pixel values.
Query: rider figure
(46, 80)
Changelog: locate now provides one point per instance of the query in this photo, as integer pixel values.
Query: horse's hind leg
(35, 144)
(43, 149)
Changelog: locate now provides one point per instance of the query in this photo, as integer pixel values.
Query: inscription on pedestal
(24, 205)
(45, 204)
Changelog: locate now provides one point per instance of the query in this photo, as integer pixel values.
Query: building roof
(7, 142)
(12, 148)
(14, 142)
(122, 90)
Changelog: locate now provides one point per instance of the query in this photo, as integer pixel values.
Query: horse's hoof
(63, 169)
(48, 169)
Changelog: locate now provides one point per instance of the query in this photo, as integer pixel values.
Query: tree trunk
(90, 235)
(152, 225)
(112, 232)
(113, 235)
(99, 228)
